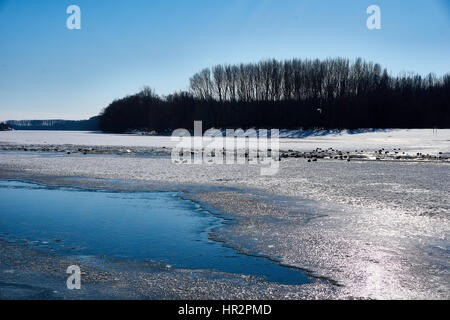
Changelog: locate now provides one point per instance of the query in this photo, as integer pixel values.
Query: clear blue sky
(48, 71)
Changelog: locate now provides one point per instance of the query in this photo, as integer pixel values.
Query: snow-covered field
(379, 229)
(413, 140)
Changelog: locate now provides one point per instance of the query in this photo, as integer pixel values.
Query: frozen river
(378, 229)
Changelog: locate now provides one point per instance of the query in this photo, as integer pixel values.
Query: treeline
(4, 127)
(92, 124)
(332, 93)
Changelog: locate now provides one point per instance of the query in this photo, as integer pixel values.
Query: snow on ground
(88, 138)
(412, 140)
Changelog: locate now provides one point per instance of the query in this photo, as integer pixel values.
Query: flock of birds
(378, 155)
(310, 156)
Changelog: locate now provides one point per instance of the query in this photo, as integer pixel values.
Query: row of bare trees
(296, 79)
(333, 93)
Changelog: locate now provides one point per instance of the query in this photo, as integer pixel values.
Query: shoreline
(103, 273)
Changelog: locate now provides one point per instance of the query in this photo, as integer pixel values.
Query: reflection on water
(156, 226)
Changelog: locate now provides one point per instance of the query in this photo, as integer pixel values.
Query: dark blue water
(157, 226)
